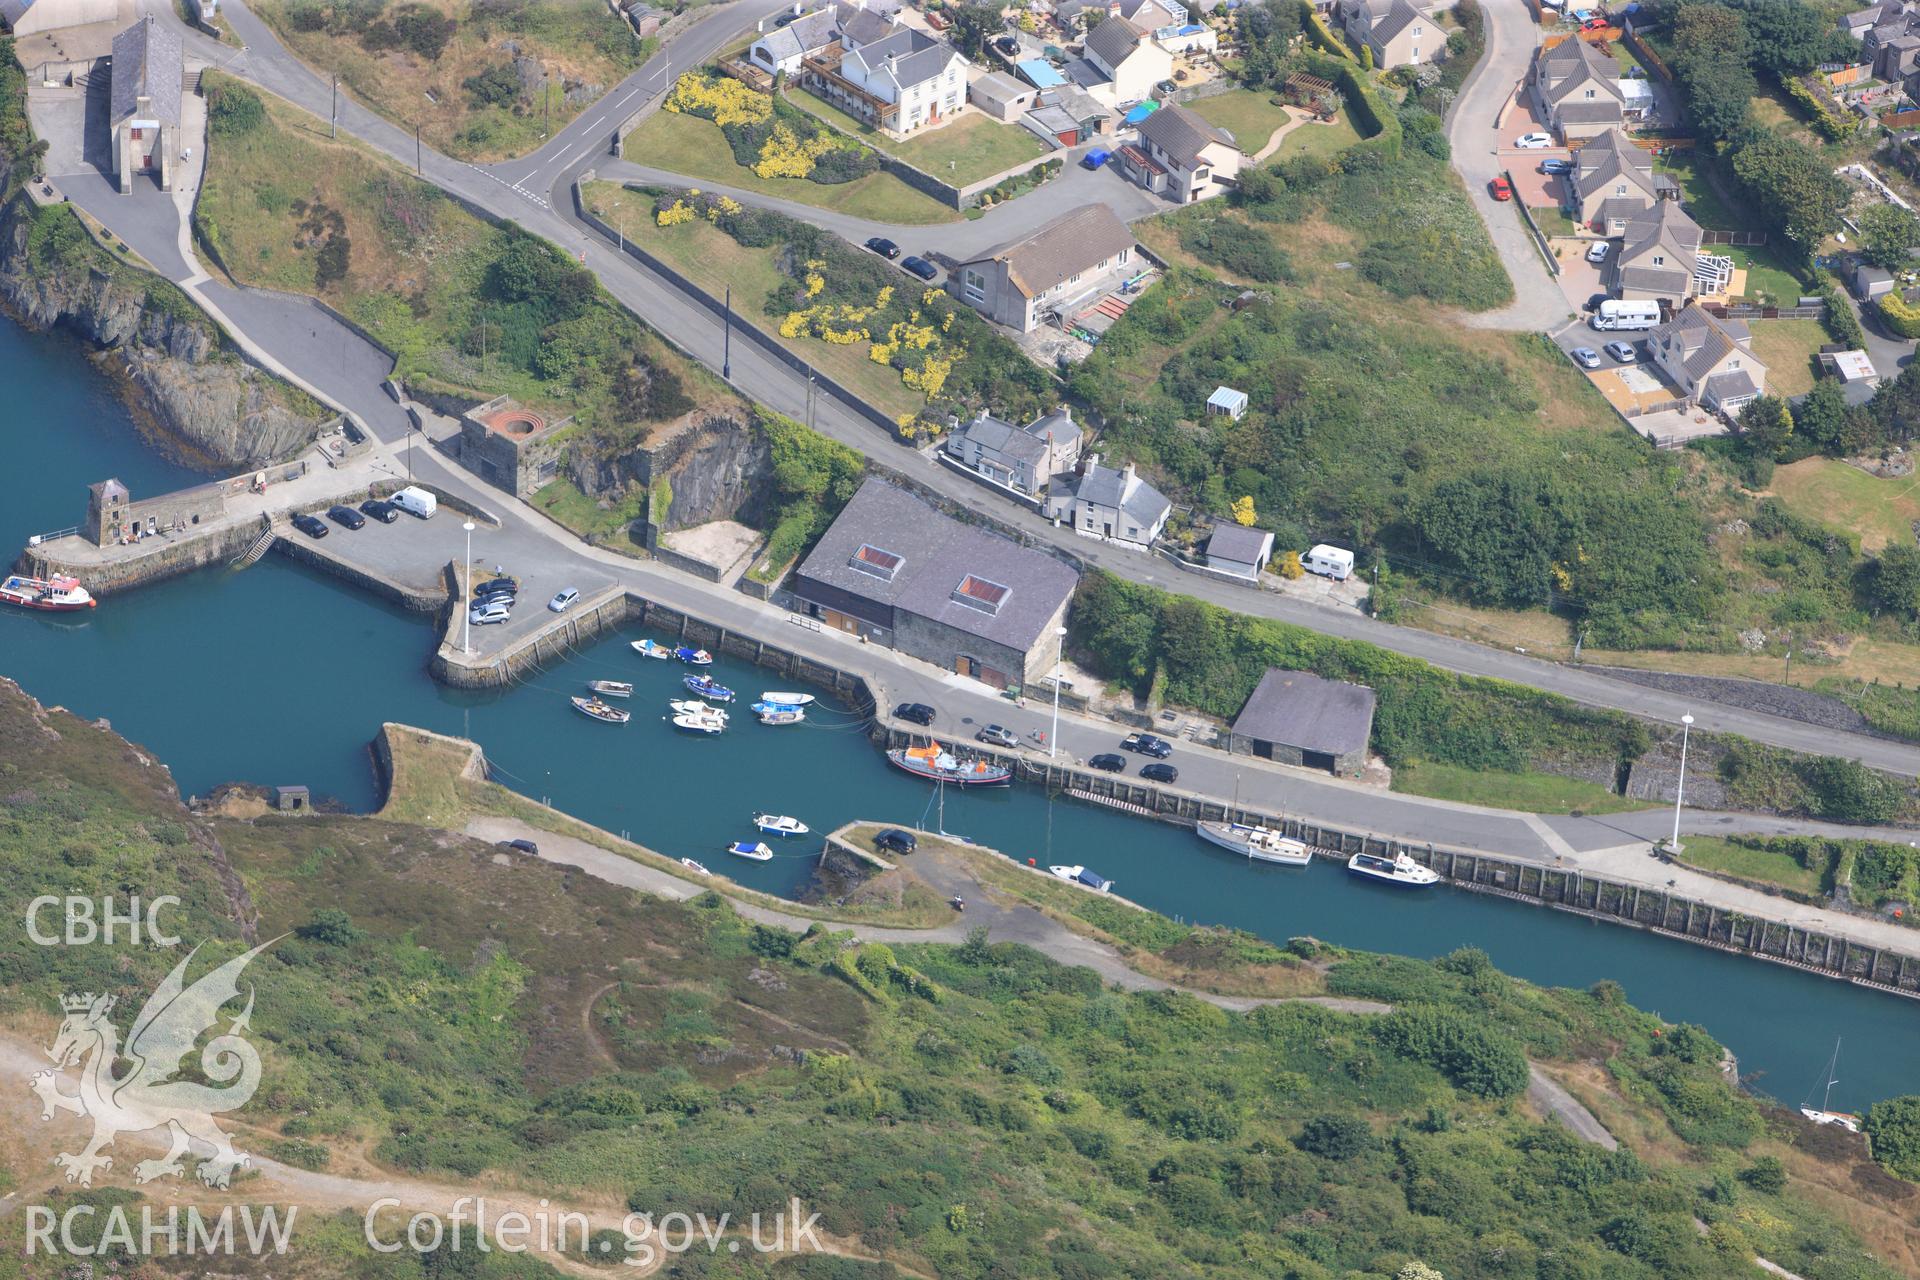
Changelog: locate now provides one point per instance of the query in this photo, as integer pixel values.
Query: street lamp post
(1053, 738)
(467, 628)
(726, 339)
(1680, 788)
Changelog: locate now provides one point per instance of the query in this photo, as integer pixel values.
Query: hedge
(1840, 323)
(1322, 35)
(1376, 122)
(1901, 316)
(1830, 125)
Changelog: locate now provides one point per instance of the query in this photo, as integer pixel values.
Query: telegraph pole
(333, 121)
(416, 151)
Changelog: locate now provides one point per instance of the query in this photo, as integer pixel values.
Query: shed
(1228, 402)
(1852, 366)
(1296, 717)
(1001, 96)
(1039, 73)
(1239, 550)
(1870, 282)
(292, 800)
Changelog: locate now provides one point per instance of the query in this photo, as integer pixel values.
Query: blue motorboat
(706, 687)
(693, 657)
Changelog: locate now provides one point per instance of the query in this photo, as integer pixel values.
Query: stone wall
(196, 551)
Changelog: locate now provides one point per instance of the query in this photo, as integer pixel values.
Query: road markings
(514, 187)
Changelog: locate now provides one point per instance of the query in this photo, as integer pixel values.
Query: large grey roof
(1599, 111)
(1058, 426)
(1077, 241)
(1398, 18)
(1123, 491)
(1113, 41)
(146, 64)
(1732, 385)
(1702, 339)
(802, 36)
(1662, 225)
(1299, 709)
(916, 56)
(1004, 439)
(1237, 543)
(937, 553)
(1182, 134)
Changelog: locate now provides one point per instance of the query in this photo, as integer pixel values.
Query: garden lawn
(1765, 274)
(1787, 348)
(1552, 221)
(1765, 865)
(1845, 497)
(696, 149)
(1527, 792)
(1697, 195)
(976, 146)
(1316, 139)
(1245, 113)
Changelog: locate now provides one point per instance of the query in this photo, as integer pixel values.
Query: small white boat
(1261, 844)
(1399, 870)
(788, 699)
(778, 824)
(1067, 873)
(611, 688)
(694, 867)
(594, 709)
(751, 849)
(689, 707)
(648, 649)
(1084, 878)
(1820, 1115)
(781, 715)
(700, 724)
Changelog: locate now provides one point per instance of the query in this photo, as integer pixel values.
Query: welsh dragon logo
(148, 1096)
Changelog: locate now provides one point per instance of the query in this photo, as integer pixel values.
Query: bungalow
(1614, 180)
(1102, 502)
(1711, 360)
(1021, 283)
(1128, 60)
(1023, 459)
(145, 103)
(1660, 258)
(1397, 33)
(1576, 90)
(1181, 156)
(1238, 550)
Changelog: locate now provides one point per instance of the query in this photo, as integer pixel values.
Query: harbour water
(281, 675)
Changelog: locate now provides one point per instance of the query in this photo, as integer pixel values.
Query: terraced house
(1575, 89)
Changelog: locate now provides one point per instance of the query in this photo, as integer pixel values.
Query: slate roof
(937, 554)
(1003, 438)
(802, 36)
(909, 56)
(1663, 226)
(1059, 424)
(1113, 41)
(1127, 493)
(1238, 543)
(1399, 17)
(864, 26)
(1610, 156)
(1574, 63)
(1701, 340)
(146, 64)
(1734, 384)
(1076, 241)
(11, 11)
(1299, 709)
(1182, 134)
(1598, 111)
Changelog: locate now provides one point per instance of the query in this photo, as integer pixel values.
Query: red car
(1502, 189)
(1596, 24)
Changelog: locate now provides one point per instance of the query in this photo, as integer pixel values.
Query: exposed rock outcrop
(198, 401)
(706, 467)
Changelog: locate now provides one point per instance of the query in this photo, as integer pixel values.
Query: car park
(341, 514)
(920, 267)
(995, 735)
(1621, 351)
(486, 615)
(312, 526)
(918, 712)
(884, 247)
(524, 846)
(1157, 772)
(894, 840)
(1108, 762)
(564, 599)
(381, 510)
(1554, 166)
(1501, 189)
(1598, 252)
(1147, 745)
(1585, 357)
(1533, 141)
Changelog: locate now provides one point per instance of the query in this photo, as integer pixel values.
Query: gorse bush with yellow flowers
(721, 99)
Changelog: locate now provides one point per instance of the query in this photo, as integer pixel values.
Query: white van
(1615, 314)
(416, 502)
(1329, 562)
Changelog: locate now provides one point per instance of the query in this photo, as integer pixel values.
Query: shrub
(1893, 1129)
(1236, 247)
(234, 111)
(1765, 1174)
(1335, 1137)
(1900, 315)
(497, 86)
(1479, 1061)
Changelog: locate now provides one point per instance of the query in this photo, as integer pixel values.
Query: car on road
(1585, 357)
(1501, 188)
(1095, 158)
(884, 247)
(1158, 772)
(487, 615)
(1108, 762)
(918, 712)
(994, 735)
(377, 509)
(1621, 351)
(312, 526)
(564, 599)
(1147, 745)
(894, 840)
(1533, 141)
(341, 514)
(1553, 166)
(524, 846)
(919, 266)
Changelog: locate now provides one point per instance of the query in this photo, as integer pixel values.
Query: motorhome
(1617, 314)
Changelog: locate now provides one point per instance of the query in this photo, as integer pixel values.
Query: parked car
(342, 514)
(884, 247)
(994, 735)
(1553, 166)
(489, 614)
(894, 840)
(919, 266)
(1621, 351)
(524, 846)
(1095, 158)
(1157, 772)
(493, 597)
(1147, 745)
(1598, 252)
(497, 584)
(918, 712)
(1108, 762)
(1585, 357)
(312, 526)
(1533, 141)
(1595, 24)
(1501, 189)
(384, 512)
(564, 599)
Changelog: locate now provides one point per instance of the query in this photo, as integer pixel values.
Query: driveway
(1579, 279)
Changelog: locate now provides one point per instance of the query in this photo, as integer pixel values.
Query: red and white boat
(936, 764)
(56, 594)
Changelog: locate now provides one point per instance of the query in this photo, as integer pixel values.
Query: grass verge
(1527, 792)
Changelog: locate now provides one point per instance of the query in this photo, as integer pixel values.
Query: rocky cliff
(708, 466)
(197, 400)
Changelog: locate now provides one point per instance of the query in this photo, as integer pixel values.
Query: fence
(1746, 238)
(1648, 58)
(1753, 311)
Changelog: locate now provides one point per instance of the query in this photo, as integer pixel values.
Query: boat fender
(1032, 863)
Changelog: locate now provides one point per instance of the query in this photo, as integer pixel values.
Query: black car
(1555, 167)
(312, 526)
(920, 267)
(494, 597)
(1108, 762)
(381, 510)
(496, 584)
(894, 840)
(918, 712)
(524, 846)
(345, 515)
(1148, 745)
(1157, 772)
(884, 247)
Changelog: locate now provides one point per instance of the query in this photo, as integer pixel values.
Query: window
(978, 593)
(1733, 364)
(1074, 278)
(1124, 253)
(138, 133)
(1620, 189)
(1659, 259)
(1589, 93)
(875, 563)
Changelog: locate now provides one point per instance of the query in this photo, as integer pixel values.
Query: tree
(1711, 55)
(1824, 418)
(974, 25)
(330, 926)
(1243, 513)
(1893, 1129)
(1791, 39)
(1895, 407)
(1893, 580)
(1792, 183)
(1766, 425)
(1888, 236)
(1417, 1270)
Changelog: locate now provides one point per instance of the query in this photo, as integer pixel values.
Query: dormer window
(979, 593)
(875, 562)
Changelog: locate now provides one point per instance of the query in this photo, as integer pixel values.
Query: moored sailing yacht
(1820, 1114)
(1259, 844)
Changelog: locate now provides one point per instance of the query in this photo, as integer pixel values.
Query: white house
(1710, 359)
(781, 51)
(1102, 502)
(1181, 156)
(1020, 283)
(1128, 58)
(1023, 459)
(902, 82)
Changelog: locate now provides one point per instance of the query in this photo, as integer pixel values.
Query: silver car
(994, 735)
(1585, 357)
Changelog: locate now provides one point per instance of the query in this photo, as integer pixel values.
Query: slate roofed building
(144, 109)
(1710, 359)
(1023, 459)
(898, 572)
(1239, 550)
(1109, 502)
(1299, 718)
(1182, 157)
(1576, 90)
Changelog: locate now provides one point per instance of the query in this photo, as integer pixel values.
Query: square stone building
(511, 446)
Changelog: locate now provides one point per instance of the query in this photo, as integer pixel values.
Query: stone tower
(107, 504)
